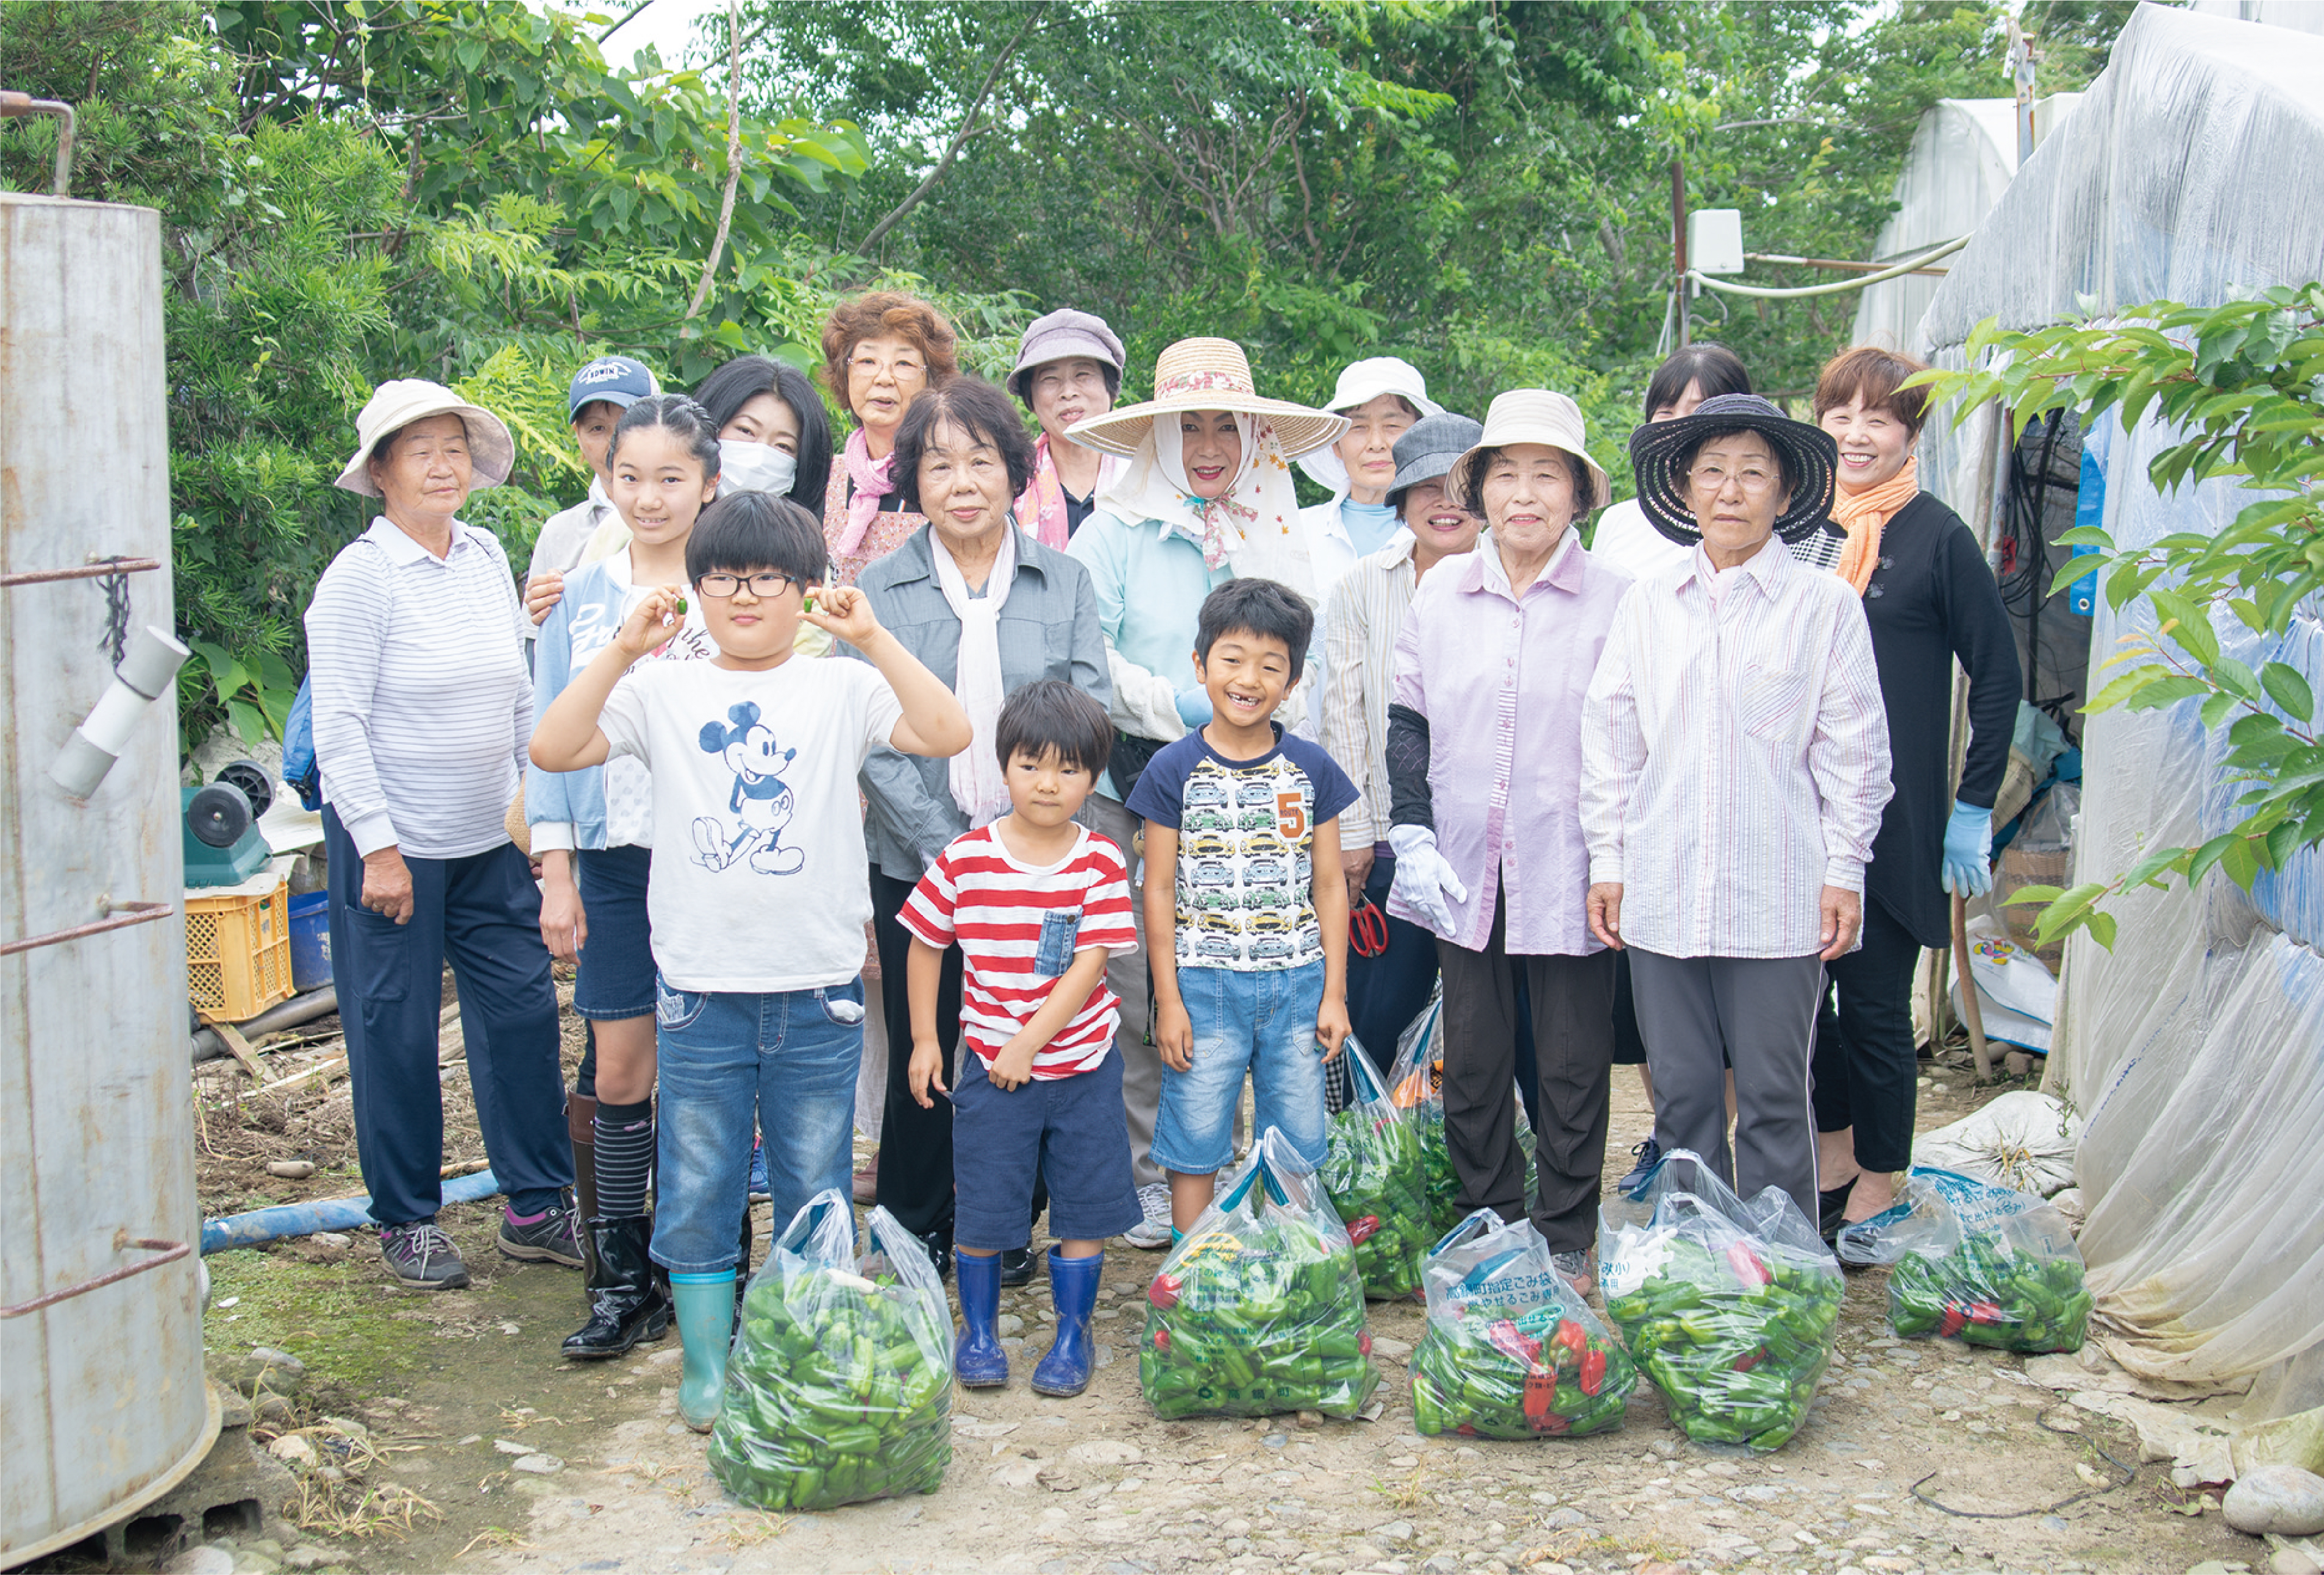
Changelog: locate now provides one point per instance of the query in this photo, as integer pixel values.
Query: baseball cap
(616, 379)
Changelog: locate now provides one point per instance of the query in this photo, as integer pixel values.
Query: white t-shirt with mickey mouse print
(759, 881)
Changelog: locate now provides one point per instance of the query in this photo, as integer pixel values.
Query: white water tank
(103, 1405)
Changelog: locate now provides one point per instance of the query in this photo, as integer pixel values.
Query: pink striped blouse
(1734, 757)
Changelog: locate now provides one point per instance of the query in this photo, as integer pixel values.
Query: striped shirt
(1018, 927)
(1362, 616)
(422, 702)
(1734, 757)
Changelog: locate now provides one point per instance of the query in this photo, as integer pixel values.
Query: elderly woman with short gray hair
(423, 710)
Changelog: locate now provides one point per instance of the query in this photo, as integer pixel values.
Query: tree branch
(734, 152)
(967, 126)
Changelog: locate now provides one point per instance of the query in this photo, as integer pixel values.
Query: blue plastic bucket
(310, 941)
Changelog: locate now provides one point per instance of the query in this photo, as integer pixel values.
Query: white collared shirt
(1735, 757)
(1362, 616)
(422, 702)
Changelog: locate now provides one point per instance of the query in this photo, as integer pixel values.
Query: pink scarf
(1041, 506)
(872, 481)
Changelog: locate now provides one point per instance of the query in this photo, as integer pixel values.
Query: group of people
(1095, 753)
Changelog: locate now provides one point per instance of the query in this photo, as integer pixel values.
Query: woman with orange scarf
(1931, 600)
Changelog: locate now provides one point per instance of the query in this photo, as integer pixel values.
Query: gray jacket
(1049, 629)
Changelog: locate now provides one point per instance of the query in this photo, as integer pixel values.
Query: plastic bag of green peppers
(1416, 1084)
(1260, 1310)
(1510, 1352)
(840, 1384)
(1731, 1308)
(1373, 1176)
(1994, 1266)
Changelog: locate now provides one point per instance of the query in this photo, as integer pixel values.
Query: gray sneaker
(1580, 1269)
(422, 1257)
(554, 1238)
(1153, 1232)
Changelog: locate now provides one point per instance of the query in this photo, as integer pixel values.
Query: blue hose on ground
(264, 1225)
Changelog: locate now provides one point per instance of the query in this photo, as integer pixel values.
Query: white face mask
(754, 467)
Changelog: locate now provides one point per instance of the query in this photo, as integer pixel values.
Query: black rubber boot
(742, 1267)
(626, 1302)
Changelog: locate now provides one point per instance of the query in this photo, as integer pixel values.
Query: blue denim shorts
(615, 978)
(1069, 1129)
(1261, 1019)
(788, 1059)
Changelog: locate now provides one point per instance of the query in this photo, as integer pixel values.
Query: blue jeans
(791, 1058)
(1264, 1021)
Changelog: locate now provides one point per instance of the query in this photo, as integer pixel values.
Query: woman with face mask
(773, 434)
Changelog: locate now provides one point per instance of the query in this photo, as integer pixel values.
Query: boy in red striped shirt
(1036, 904)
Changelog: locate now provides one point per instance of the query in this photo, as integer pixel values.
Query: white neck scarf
(979, 785)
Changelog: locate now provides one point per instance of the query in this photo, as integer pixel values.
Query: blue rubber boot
(1073, 1290)
(977, 1359)
(706, 1330)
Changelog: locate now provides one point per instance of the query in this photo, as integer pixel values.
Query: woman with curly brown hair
(880, 350)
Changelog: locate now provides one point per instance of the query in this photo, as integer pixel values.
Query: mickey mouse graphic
(760, 804)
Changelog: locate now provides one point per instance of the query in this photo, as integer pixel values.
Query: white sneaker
(1154, 1231)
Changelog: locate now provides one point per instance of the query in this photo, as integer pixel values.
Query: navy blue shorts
(1070, 1129)
(615, 978)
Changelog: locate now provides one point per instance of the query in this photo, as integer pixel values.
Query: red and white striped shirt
(1018, 927)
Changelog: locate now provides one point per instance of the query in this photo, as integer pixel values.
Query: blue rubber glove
(1195, 706)
(1969, 850)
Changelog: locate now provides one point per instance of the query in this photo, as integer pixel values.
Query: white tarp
(2194, 1051)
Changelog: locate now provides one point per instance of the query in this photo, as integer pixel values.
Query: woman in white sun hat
(423, 710)
(1381, 397)
(1207, 497)
(1484, 758)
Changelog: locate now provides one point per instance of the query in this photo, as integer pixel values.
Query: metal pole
(2020, 75)
(1678, 245)
(15, 103)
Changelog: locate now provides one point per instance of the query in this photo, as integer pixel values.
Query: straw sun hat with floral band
(1530, 415)
(1208, 374)
(1661, 451)
(396, 404)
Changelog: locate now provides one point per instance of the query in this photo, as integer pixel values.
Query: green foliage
(2242, 386)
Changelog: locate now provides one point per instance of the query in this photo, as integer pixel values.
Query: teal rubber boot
(706, 1329)
(1073, 1290)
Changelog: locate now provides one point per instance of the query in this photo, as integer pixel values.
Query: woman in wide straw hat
(423, 709)
(1485, 763)
(1735, 765)
(1207, 496)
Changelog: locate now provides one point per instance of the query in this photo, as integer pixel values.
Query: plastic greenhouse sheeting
(2195, 1049)
(1964, 155)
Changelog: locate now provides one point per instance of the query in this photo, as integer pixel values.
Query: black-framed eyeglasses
(765, 586)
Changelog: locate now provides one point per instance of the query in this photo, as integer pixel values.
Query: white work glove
(1424, 878)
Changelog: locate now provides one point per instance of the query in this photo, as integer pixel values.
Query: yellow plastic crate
(239, 949)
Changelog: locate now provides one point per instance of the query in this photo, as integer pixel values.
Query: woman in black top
(1930, 600)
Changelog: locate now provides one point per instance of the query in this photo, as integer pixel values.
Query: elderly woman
(988, 610)
(1485, 752)
(1930, 601)
(1382, 398)
(1390, 970)
(1068, 369)
(881, 350)
(1207, 495)
(423, 710)
(1735, 762)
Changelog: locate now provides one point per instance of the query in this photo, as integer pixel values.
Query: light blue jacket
(1047, 630)
(583, 624)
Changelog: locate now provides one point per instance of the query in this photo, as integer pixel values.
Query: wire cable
(1837, 288)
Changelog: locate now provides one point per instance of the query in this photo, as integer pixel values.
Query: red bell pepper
(1360, 1230)
(1593, 1371)
(1747, 1264)
(1164, 1292)
(1951, 1324)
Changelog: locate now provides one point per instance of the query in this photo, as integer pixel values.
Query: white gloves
(1424, 878)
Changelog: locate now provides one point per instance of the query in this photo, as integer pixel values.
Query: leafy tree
(2242, 386)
